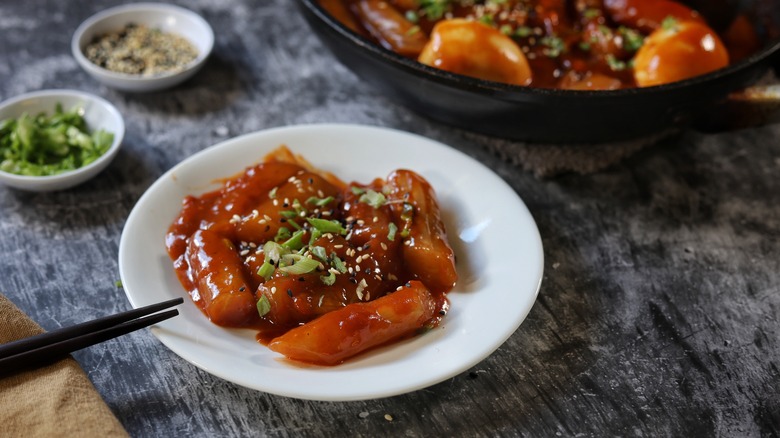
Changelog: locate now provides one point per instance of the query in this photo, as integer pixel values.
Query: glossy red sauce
(368, 242)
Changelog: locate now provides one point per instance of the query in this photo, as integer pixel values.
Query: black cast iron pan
(548, 115)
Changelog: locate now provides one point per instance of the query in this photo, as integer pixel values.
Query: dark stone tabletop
(657, 315)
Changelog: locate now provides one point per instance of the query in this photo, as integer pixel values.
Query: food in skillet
(564, 44)
(323, 270)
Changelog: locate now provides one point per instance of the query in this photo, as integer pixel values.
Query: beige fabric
(53, 401)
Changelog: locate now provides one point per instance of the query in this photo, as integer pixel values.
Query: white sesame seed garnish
(382, 244)
(376, 219)
(273, 289)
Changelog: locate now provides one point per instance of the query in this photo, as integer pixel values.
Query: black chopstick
(48, 347)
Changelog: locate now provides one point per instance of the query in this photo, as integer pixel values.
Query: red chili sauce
(281, 245)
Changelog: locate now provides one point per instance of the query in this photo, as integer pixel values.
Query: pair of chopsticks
(46, 348)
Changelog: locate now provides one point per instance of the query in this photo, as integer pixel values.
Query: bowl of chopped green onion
(143, 47)
(56, 139)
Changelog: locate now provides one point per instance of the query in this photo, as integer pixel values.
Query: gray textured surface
(658, 314)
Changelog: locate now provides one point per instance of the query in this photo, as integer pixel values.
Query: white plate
(497, 244)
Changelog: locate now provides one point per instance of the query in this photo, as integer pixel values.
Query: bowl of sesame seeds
(142, 47)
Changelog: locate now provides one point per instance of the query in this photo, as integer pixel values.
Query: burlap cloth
(53, 401)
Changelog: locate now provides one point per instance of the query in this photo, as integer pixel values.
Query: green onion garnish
(303, 266)
(263, 305)
(393, 228)
(372, 198)
(295, 242)
(329, 279)
(320, 253)
(337, 263)
(282, 234)
(326, 226)
(266, 270)
(320, 202)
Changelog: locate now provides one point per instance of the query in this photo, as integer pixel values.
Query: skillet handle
(756, 105)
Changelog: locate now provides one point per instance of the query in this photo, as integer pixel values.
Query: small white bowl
(98, 113)
(167, 18)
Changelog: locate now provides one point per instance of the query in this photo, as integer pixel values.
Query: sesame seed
(273, 289)
(320, 194)
(376, 219)
(382, 244)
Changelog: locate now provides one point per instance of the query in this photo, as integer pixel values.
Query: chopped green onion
(329, 279)
(295, 242)
(273, 251)
(326, 226)
(288, 214)
(320, 202)
(315, 234)
(372, 198)
(282, 234)
(48, 145)
(337, 263)
(272, 193)
(670, 23)
(293, 224)
(523, 31)
(263, 305)
(266, 270)
(393, 228)
(303, 266)
(357, 190)
(632, 40)
(320, 253)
